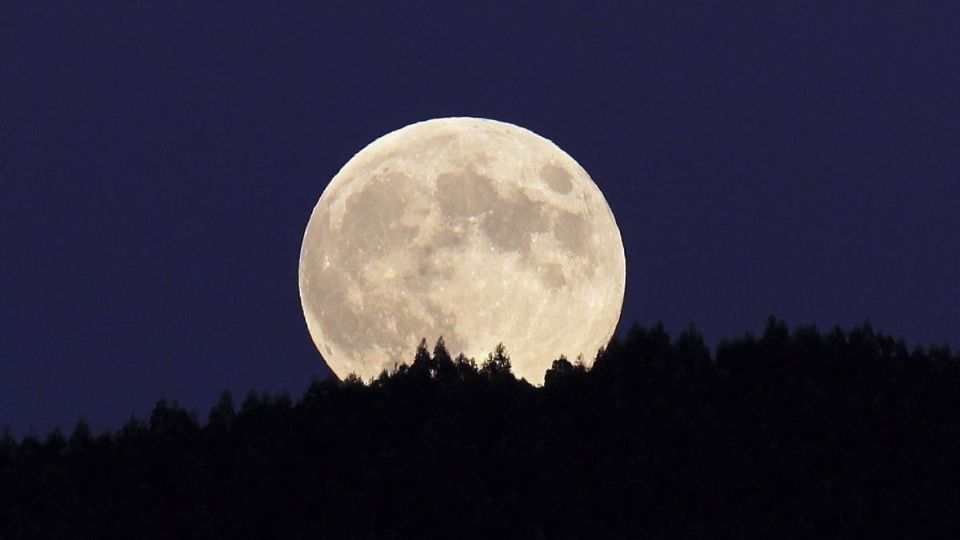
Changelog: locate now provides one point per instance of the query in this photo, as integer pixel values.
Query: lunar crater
(557, 178)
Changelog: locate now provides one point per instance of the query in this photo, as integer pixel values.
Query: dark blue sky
(158, 164)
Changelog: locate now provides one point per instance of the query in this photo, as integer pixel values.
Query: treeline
(791, 434)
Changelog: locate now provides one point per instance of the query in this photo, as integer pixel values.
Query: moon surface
(475, 230)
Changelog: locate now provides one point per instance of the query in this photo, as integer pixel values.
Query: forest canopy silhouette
(795, 433)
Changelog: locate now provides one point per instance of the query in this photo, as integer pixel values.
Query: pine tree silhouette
(794, 433)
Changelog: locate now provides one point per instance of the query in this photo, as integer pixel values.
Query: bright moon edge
(477, 230)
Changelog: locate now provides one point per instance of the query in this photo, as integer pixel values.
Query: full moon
(475, 230)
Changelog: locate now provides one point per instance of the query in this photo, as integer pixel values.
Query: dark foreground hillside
(790, 435)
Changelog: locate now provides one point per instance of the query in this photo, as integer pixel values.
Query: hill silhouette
(793, 434)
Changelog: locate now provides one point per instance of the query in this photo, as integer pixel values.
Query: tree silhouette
(792, 434)
(223, 413)
(442, 362)
(497, 365)
(562, 373)
(422, 362)
(7, 444)
(81, 438)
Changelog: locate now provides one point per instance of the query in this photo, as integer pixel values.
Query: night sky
(159, 162)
